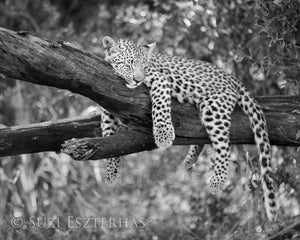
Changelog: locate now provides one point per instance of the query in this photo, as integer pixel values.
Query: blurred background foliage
(256, 40)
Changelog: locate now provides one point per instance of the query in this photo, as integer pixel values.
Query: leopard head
(128, 59)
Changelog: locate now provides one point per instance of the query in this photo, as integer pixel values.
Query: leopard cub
(214, 92)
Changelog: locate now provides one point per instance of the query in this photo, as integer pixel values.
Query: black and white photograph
(150, 120)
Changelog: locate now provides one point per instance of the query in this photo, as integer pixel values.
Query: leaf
(239, 56)
(277, 2)
(257, 72)
(281, 83)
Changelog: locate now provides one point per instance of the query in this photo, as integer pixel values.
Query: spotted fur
(192, 157)
(214, 92)
(109, 125)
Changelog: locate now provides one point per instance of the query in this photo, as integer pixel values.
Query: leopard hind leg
(109, 126)
(112, 173)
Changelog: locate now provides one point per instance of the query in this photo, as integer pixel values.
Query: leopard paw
(192, 157)
(216, 184)
(189, 163)
(112, 171)
(164, 135)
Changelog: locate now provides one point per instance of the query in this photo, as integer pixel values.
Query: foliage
(258, 41)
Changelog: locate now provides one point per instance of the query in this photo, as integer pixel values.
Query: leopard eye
(112, 52)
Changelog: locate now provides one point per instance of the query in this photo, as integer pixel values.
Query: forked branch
(57, 64)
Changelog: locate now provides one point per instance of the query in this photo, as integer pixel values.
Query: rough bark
(59, 65)
(47, 136)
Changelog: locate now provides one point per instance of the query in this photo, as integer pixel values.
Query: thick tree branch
(47, 136)
(58, 65)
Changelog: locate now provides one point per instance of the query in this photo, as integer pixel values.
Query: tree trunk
(57, 64)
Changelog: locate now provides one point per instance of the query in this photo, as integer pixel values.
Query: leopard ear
(150, 48)
(108, 42)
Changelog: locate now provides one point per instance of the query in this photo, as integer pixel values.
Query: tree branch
(56, 64)
(47, 136)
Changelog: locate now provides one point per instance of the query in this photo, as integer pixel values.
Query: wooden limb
(47, 136)
(50, 136)
(57, 64)
(122, 143)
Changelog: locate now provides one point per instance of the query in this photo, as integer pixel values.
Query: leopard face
(128, 59)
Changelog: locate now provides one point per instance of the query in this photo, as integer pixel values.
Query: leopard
(214, 92)
(109, 126)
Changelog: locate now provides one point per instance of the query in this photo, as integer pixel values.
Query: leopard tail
(258, 124)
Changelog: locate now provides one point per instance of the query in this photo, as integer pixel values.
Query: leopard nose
(138, 76)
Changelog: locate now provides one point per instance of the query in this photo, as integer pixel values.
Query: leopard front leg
(216, 117)
(163, 129)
